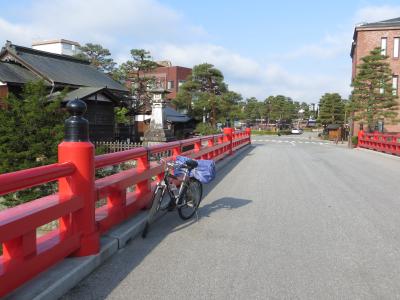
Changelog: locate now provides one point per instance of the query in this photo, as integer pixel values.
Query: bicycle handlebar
(172, 164)
(169, 164)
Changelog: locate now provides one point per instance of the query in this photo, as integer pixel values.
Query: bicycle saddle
(191, 164)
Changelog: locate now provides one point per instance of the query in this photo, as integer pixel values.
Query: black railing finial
(76, 126)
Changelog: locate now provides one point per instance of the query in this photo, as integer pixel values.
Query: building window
(170, 85)
(395, 84)
(383, 46)
(396, 44)
(382, 90)
(180, 82)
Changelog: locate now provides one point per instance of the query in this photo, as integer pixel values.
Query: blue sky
(295, 48)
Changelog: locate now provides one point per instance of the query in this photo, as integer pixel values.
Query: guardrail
(25, 254)
(388, 143)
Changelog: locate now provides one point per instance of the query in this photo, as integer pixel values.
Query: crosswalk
(292, 141)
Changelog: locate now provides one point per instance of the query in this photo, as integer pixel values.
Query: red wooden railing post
(143, 164)
(211, 143)
(360, 138)
(177, 150)
(197, 145)
(248, 133)
(220, 140)
(77, 148)
(228, 138)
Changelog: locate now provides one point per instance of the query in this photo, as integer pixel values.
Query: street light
(301, 112)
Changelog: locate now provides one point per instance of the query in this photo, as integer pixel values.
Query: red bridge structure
(81, 221)
(382, 142)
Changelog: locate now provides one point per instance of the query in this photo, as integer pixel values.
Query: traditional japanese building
(19, 65)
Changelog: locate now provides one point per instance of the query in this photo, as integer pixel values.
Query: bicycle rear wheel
(191, 199)
(154, 209)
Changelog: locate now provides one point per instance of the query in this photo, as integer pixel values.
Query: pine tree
(372, 98)
(331, 107)
(135, 71)
(202, 93)
(98, 57)
(30, 130)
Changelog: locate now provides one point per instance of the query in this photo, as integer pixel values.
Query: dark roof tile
(386, 23)
(64, 69)
(175, 117)
(13, 73)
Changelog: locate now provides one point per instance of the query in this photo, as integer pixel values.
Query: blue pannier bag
(204, 172)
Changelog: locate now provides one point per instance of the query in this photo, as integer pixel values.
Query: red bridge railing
(81, 223)
(388, 143)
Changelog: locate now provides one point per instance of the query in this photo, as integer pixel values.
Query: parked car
(297, 131)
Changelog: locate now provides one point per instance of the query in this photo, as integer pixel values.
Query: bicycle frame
(165, 184)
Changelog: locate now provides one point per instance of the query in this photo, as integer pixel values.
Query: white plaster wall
(53, 48)
(58, 48)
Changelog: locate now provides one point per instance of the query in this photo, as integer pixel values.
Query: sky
(300, 49)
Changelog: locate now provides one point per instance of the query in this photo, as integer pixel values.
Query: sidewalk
(59, 279)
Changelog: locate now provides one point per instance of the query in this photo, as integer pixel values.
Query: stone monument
(158, 131)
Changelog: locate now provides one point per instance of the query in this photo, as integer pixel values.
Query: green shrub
(270, 132)
(263, 132)
(354, 140)
(31, 127)
(285, 132)
(205, 129)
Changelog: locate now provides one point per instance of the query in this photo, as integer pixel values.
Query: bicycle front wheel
(154, 209)
(191, 199)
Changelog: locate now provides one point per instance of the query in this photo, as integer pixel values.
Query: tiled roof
(175, 117)
(386, 23)
(84, 92)
(13, 73)
(63, 69)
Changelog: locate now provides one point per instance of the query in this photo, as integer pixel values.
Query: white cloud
(100, 21)
(191, 54)
(16, 33)
(252, 78)
(121, 25)
(376, 13)
(332, 45)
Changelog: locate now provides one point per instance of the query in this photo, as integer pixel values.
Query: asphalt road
(286, 220)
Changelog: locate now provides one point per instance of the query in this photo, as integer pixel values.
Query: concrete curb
(59, 279)
(383, 154)
(128, 230)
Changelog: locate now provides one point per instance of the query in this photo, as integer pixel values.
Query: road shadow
(114, 271)
(223, 203)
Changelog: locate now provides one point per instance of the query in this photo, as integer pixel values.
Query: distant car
(297, 131)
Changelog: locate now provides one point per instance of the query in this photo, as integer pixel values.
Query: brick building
(384, 34)
(170, 77)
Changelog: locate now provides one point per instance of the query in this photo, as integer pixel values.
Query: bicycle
(167, 196)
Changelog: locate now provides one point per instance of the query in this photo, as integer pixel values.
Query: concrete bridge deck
(286, 220)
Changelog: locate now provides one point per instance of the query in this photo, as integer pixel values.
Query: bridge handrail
(383, 142)
(73, 207)
(15, 181)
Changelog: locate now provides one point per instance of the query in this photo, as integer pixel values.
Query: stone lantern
(158, 131)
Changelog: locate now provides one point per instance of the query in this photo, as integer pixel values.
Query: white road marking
(293, 141)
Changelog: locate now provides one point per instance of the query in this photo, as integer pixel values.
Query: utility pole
(351, 131)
